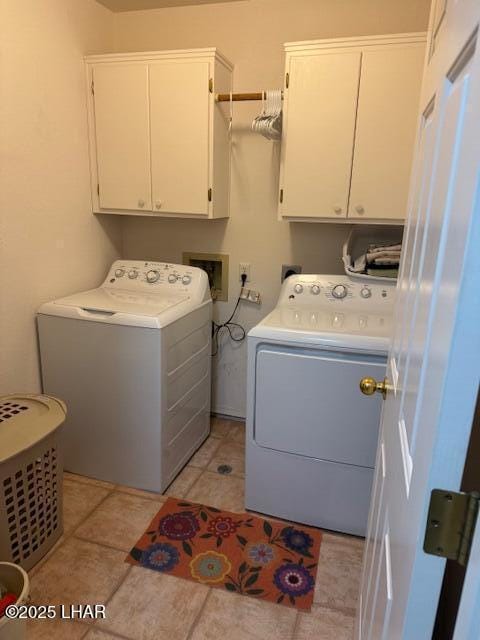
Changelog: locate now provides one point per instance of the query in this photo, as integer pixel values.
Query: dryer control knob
(298, 288)
(152, 276)
(119, 273)
(339, 291)
(366, 292)
(315, 290)
(172, 278)
(132, 274)
(186, 279)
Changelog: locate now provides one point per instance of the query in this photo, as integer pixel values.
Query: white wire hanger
(269, 122)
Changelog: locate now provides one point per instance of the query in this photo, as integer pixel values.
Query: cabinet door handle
(141, 203)
(337, 210)
(359, 209)
(158, 204)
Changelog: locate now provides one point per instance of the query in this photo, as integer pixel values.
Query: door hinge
(287, 80)
(451, 524)
(210, 194)
(98, 189)
(281, 196)
(93, 88)
(210, 85)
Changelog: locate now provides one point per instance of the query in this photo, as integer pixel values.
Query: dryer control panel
(157, 277)
(342, 291)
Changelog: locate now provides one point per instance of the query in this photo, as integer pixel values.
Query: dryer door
(308, 402)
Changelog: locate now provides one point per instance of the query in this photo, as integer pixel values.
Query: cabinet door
(122, 136)
(319, 132)
(180, 136)
(386, 126)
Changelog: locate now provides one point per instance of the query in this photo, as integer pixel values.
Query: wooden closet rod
(238, 97)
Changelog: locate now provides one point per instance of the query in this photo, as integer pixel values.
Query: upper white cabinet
(349, 130)
(320, 126)
(159, 142)
(122, 136)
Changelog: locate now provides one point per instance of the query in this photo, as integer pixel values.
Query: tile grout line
(125, 492)
(99, 544)
(91, 482)
(194, 483)
(347, 611)
(190, 486)
(70, 534)
(114, 592)
(296, 625)
(109, 633)
(94, 624)
(211, 455)
(84, 519)
(199, 615)
(91, 626)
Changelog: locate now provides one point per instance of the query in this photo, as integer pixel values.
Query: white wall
(50, 243)
(251, 35)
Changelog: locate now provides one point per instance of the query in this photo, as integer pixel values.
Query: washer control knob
(315, 290)
(298, 288)
(339, 291)
(152, 276)
(172, 278)
(132, 274)
(186, 279)
(365, 292)
(119, 273)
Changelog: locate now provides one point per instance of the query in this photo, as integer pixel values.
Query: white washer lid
(121, 301)
(120, 307)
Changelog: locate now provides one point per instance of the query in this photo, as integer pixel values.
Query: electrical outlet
(244, 267)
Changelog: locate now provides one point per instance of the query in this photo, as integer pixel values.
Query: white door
(180, 136)
(122, 136)
(385, 131)
(434, 361)
(320, 112)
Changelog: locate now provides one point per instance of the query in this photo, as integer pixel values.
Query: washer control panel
(320, 290)
(137, 275)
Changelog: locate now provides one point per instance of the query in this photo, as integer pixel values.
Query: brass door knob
(368, 386)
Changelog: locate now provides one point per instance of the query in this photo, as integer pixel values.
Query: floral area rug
(241, 553)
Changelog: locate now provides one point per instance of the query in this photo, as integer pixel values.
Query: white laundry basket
(15, 580)
(31, 477)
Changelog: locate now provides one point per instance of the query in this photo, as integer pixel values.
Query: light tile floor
(103, 521)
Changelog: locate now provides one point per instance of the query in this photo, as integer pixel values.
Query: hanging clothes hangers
(269, 122)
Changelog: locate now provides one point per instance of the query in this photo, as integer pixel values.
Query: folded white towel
(380, 255)
(379, 248)
(385, 261)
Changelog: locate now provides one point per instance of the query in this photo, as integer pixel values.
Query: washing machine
(131, 359)
(311, 434)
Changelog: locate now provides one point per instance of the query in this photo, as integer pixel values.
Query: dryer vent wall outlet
(290, 270)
